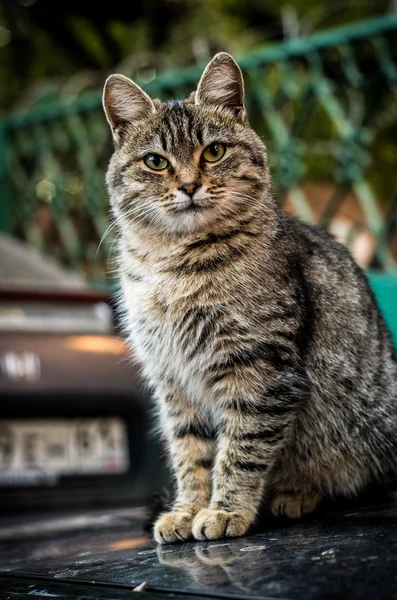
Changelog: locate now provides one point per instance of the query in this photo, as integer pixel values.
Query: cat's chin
(187, 221)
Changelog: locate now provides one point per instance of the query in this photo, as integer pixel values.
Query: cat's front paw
(210, 524)
(173, 527)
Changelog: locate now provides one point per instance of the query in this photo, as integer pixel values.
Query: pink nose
(189, 188)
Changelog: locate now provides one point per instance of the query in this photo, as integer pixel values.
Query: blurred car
(73, 412)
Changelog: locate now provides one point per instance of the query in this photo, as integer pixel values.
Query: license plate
(34, 452)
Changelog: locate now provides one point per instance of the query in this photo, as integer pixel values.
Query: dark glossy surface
(21, 589)
(348, 554)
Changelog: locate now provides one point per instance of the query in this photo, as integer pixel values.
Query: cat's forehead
(180, 128)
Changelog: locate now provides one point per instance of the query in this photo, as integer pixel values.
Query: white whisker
(108, 230)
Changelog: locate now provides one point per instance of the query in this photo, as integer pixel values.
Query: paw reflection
(239, 564)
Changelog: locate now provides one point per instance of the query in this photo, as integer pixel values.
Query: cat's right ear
(222, 84)
(124, 102)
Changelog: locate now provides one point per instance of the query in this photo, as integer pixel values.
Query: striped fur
(273, 371)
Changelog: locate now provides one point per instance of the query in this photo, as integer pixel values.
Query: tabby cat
(273, 371)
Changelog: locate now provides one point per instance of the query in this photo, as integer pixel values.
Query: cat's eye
(214, 152)
(155, 162)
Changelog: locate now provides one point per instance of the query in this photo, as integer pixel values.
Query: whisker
(108, 230)
(254, 202)
(118, 235)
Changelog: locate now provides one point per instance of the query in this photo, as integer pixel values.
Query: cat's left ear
(222, 84)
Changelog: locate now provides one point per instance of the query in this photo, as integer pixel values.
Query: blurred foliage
(62, 48)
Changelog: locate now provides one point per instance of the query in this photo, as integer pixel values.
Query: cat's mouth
(186, 214)
(190, 207)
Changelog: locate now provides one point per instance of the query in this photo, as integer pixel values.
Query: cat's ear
(222, 84)
(124, 102)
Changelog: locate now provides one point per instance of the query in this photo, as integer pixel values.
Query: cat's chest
(160, 325)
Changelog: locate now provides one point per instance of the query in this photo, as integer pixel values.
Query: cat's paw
(173, 527)
(212, 524)
(294, 504)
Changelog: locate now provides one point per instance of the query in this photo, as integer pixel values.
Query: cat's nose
(189, 188)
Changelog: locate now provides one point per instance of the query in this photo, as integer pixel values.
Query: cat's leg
(297, 478)
(191, 447)
(252, 429)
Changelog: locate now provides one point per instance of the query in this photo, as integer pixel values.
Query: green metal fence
(326, 107)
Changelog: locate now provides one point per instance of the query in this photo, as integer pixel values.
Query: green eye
(156, 162)
(214, 152)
